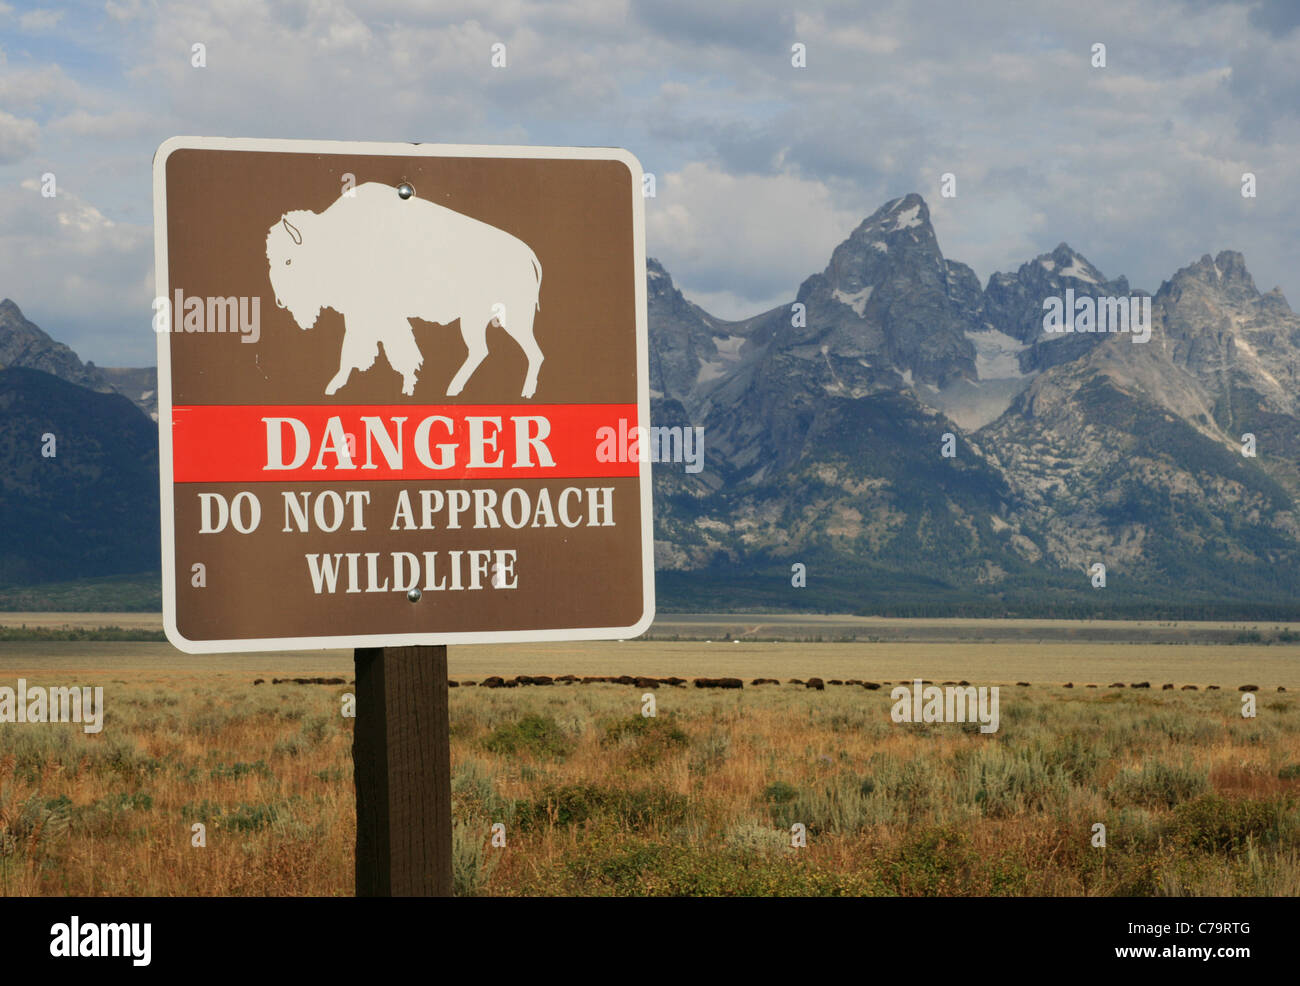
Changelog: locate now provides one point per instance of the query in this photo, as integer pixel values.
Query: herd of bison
(640, 681)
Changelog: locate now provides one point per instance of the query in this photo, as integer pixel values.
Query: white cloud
(29, 88)
(40, 20)
(18, 137)
(762, 168)
(125, 10)
(744, 242)
(118, 124)
(82, 277)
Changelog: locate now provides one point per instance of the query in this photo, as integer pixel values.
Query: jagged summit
(25, 344)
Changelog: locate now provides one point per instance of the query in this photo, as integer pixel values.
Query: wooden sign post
(401, 762)
(403, 402)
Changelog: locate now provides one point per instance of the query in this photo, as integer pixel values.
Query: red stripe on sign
(273, 443)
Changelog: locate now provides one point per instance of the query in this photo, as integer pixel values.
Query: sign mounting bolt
(405, 190)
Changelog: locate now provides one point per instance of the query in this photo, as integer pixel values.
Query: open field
(1050, 663)
(802, 627)
(597, 799)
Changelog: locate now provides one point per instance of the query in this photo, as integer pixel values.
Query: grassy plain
(597, 799)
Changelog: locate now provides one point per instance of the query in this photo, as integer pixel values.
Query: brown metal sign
(401, 389)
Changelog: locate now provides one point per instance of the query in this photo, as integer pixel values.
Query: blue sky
(761, 168)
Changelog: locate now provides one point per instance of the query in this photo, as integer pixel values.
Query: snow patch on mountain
(907, 218)
(729, 346)
(1076, 270)
(997, 354)
(857, 301)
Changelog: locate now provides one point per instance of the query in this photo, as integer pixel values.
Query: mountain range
(825, 421)
(917, 442)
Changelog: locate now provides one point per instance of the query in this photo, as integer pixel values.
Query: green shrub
(780, 793)
(474, 794)
(535, 735)
(711, 752)
(472, 862)
(1158, 784)
(575, 804)
(250, 818)
(237, 770)
(650, 738)
(934, 863)
(1213, 824)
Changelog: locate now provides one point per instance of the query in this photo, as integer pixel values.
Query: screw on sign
(404, 454)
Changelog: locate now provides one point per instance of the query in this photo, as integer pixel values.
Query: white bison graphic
(380, 260)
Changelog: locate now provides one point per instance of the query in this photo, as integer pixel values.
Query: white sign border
(165, 470)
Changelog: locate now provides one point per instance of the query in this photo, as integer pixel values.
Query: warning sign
(400, 391)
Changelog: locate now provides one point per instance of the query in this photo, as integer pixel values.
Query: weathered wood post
(401, 763)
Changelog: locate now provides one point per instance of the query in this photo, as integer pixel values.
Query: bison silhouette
(381, 260)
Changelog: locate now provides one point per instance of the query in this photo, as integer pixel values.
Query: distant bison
(816, 683)
(1248, 688)
(719, 683)
(380, 261)
(540, 679)
(765, 681)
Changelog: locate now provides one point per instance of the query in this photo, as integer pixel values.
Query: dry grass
(597, 799)
(268, 771)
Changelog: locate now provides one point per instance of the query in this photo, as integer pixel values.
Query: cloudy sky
(761, 167)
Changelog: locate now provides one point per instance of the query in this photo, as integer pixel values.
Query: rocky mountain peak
(1225, 274)
(888, 298)
(1222, 280)
(25, 344)
(897, 216)
(683, 336)
(1013, 303)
